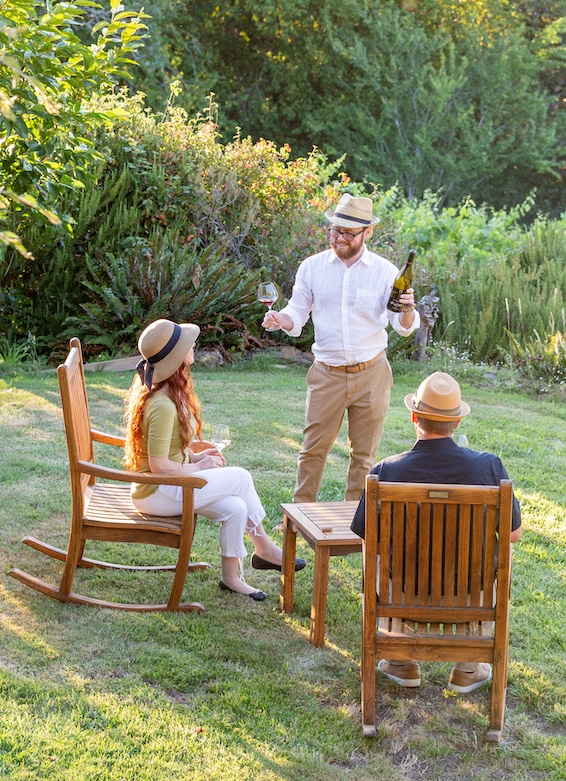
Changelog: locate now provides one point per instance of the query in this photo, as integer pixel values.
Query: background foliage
(465, 99)
(165, 216)
(46, 73)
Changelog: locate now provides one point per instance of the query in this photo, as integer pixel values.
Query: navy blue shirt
(438, 461)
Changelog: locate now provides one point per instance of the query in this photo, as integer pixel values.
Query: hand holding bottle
(407, 301)
(401, 298)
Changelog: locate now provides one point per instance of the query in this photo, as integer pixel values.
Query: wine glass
(462, 440)
(268, 295)
(221, 436)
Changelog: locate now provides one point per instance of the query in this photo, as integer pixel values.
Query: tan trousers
(330, 393)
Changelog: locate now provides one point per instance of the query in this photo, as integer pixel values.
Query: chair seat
(111, 505)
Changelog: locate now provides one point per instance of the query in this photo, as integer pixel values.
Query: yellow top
(161, 437)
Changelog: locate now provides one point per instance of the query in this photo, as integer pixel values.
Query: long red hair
(180, 389)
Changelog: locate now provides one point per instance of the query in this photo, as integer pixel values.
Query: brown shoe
(464, 683)
(407, 674)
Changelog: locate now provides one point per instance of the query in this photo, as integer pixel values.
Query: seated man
(436, 411)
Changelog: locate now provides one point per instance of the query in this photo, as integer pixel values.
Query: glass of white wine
(462, 440)
(221, 436)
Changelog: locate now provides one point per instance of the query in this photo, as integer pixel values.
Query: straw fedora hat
(438, 398)
(164, 346)
(352, 212)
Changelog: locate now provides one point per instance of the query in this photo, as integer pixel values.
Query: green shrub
(175, 223)
(491, 273)
(541, 359)
(161, 277)
(167, 182)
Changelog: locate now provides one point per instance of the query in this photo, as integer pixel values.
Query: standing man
(436, 411)
(345, 289)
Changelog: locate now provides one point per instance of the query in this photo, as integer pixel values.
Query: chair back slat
(397, 558)
(384, 550)
(76, 414)
(471, 581)
(461, 532)
(407, 529)
(439, 571)
(491, 553)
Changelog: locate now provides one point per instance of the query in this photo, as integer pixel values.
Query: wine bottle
(403, 282)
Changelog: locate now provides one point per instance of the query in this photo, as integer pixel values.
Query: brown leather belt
(355, 367)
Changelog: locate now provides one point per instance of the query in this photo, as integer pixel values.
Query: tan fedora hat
(352, 212)
(164, 346)
(438, 398)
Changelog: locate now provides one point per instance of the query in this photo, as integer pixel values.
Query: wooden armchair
(444, 550)
(103, 510)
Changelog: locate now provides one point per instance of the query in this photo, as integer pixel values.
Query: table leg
(287, 592)
(319, 592)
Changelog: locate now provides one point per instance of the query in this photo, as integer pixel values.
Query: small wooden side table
(326, 528)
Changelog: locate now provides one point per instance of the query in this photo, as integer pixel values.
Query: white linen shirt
(348, 305)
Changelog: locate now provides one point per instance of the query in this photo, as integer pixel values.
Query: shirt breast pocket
(368, 304)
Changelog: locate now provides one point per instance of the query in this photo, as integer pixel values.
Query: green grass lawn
(238, 692)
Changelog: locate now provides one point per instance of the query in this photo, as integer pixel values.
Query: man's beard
(346, 251)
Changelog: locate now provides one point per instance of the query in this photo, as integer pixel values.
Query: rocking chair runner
(443, 551)
(103, 510)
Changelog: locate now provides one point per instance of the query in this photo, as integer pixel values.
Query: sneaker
(464, 683)
(407, 674)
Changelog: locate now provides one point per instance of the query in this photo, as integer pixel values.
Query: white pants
(229, 498)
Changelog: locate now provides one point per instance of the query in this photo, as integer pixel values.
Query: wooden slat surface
(327, 523)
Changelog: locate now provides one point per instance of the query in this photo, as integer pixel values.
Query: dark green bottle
(403, 282)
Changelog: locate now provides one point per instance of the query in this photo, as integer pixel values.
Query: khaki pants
(365, 396)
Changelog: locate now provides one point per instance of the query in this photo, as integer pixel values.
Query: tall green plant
(540, 358)
(489, 271)
(159, 277)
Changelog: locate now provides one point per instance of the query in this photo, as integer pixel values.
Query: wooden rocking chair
(104, 511)
(444, 550)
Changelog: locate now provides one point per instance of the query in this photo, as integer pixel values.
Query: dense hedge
(179, 224)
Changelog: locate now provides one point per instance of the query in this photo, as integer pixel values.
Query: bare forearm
(406, 318)
(161, 466)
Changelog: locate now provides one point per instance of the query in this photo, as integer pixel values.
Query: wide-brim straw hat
(352, 212)
(164, 346)
(438, 398)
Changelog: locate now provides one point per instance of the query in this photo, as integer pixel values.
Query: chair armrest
(125, 476)
(107, 439)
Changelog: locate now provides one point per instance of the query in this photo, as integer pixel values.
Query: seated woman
(163, 418)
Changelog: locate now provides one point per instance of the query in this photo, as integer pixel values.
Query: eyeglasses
(346, 235)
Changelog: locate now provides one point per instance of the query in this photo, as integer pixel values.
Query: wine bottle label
(394, 304)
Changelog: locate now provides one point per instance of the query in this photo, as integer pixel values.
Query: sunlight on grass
(16, 622)
(238, 692)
